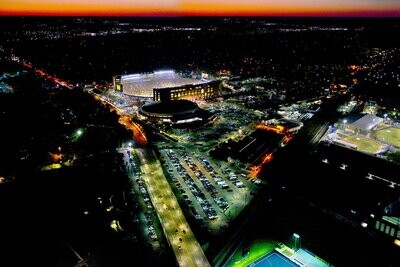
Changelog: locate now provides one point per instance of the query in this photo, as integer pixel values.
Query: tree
(394, 157)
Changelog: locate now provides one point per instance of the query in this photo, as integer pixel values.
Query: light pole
(387, 139)
(296, 238)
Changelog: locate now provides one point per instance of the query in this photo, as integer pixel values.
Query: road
(48, 76)
(319, 133)
(138, 133)
(180, 237)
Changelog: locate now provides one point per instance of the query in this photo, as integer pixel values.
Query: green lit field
(389, 136)
(364, 144)
(257, 249)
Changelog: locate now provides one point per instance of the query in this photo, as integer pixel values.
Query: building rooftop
(363, 121)
(170, 107)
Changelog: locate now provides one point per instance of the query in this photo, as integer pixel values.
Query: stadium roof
(170, 107)
(143, 84)
(363, 121)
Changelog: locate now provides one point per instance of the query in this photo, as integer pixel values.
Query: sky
(359, 8)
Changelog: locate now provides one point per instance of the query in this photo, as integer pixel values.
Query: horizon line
(378, 16)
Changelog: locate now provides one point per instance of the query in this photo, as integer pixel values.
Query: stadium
(147, 84)
(366, 133)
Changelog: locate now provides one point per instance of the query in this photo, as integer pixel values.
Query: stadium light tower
(296, 239)
(344, 124)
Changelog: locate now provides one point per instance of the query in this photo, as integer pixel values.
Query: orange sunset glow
(201, 8)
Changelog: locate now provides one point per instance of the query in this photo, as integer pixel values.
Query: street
(180, 237)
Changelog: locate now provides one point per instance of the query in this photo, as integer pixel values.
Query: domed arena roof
(173, 107)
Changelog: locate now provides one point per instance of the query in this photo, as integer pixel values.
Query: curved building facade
(174, 111)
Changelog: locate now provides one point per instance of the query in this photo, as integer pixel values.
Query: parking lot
(214, 194)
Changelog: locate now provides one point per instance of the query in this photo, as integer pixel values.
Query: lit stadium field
(389, 136)
(273, 259)
(364, 144)
(143, 84)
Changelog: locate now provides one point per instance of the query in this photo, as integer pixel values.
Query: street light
(79, 132)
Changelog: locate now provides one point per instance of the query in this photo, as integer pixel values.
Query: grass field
(363, 144)
(257, 249)
(389, 136)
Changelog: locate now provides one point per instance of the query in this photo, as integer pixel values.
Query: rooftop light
(130, 76)
(164, 72)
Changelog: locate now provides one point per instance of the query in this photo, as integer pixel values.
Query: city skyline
(311, 8)
(200, 141)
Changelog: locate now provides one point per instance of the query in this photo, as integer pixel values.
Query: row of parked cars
(203, 179)
(220, 201)
(218, 179)
(234, 179)
(195, 190)
(149, 210)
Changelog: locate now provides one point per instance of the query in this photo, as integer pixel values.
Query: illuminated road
(48, 76)
(319, 133)
(180, 237)
(138, 133)
(137, 130)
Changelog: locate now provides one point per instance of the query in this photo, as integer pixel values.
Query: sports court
(273, 259)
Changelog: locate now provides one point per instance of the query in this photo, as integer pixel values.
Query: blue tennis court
(273, 259)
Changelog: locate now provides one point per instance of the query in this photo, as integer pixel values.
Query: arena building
(166, 85)
(174, 111)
